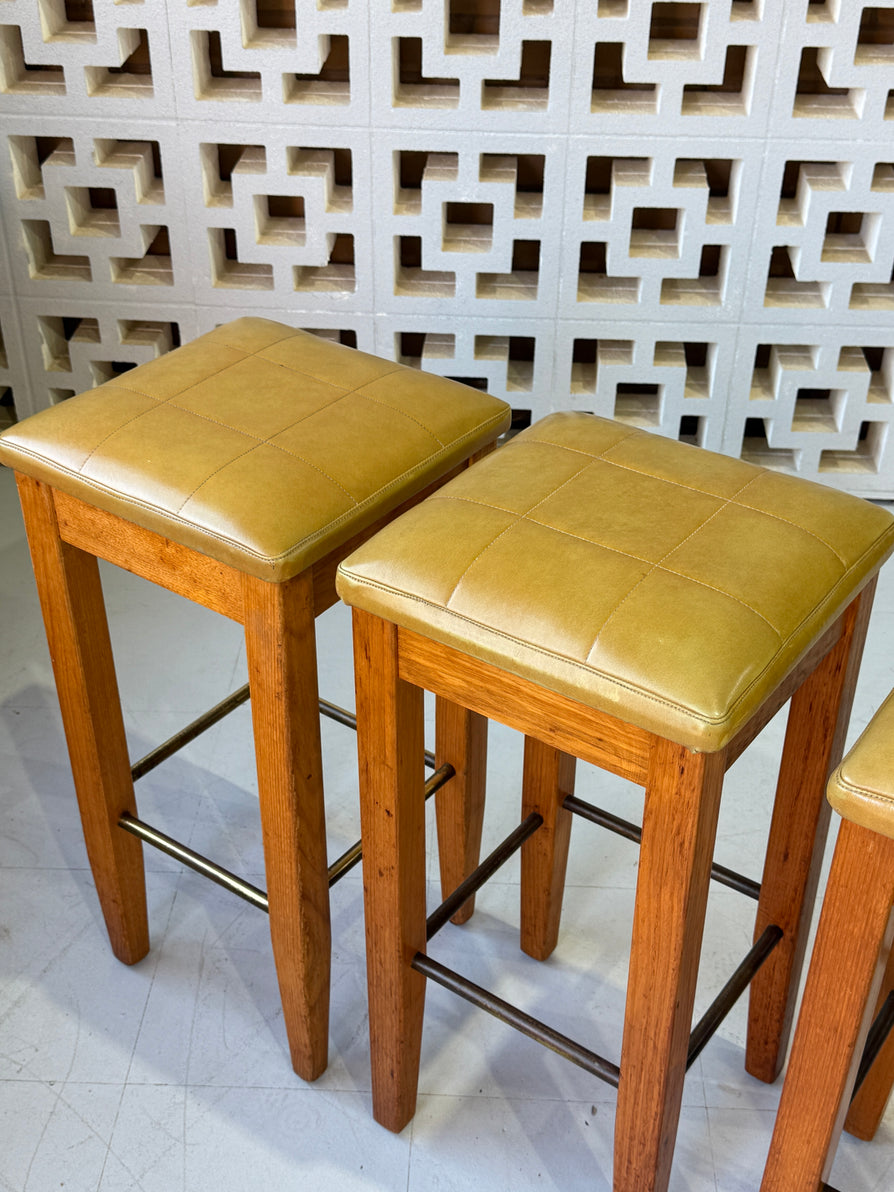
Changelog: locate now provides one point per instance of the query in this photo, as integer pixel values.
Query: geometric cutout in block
(44, 263)
(69, 21)
(801, 180)
(18, 77)
(730, 97)
(674, 31)
(611, 92)
(29, 156)
(227, 271)
(866, 455)
(57, 333)
(142, 158)
(850, 237)
(522, 280)
(409, 276)
(414, 89)
(638, 404)
(594, 284)
(515, 353)
(756, 448)
(655, 231)
(221, 162)
(153, 268)
(132, 79)
(530, 91)
(333, 166)
(604, 174)
(212, 80)
(412, 168)
(875, 39)
(524, 171)
(468, 227)
(814, 98)
(337, 274)
(783, 288)
(331, 84)
(589, 356)
(279, 219)
(694, 357)
(704, 290)
(92, 211)
(472, 28)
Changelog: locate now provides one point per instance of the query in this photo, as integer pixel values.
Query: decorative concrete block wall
(680, 214)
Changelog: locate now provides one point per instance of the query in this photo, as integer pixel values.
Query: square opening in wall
(411, 279)
(850, 237)
(655, 232)
(674, 31)
(875, 40)
(473, 26)
(521, 283)
(280, 220)
(866, 457)
(337, 275)
(92, 211)
(468, 227)
(530, 91)
(331, 84)
(638, 404)
(413, 88)
(756, 448)
(818, 410)
(611, 90)
(816, 98)
(132, 79)
(732, 95)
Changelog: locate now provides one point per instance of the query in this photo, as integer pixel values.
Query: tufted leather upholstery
(670, 586)
(862, 788)
(256, 444)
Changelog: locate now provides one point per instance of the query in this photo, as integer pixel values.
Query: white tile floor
(173, 1076)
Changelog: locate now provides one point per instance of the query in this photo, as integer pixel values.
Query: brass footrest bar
(224, 708)
(479, 876)
(215, 873)
(622, 827)
(204, 722)
(595, 1064)
(875, 1040)
(231, 881)
(349, 859)
(731, 992)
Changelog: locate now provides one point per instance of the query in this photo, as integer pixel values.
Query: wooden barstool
(850, 985)
(646, 606)
(237, 471)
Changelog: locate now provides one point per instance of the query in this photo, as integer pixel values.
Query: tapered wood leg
(548, 781)
(461, 741)
(282, 671)
(679, 825)
(868, 1106)
(392, 816)
(814, 743)
(78, 637)
(852, 944)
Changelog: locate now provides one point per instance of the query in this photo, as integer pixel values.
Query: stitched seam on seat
(653, 566)
(690, 488)
(518, 518)
(234, 543)
(865, 793)
(400, 368)
(590, 668)
(660, 561)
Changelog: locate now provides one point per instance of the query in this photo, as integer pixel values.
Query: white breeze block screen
(677, 214)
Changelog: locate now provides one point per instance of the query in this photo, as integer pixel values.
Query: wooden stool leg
(814, 743)
(868, 1106)
(282, 669)
(78, 636)
(392, 817)
(853, 939)
(548, 780)
(679, 826)
(461, 741)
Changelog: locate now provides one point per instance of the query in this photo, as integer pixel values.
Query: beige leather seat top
(670, 586)
(259, 445)
(862, 788)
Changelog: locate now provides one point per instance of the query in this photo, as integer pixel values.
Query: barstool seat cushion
(256, 444)
(667, 585)
(862, 788)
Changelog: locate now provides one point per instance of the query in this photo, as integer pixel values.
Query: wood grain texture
(460, 741)
(868, 1107)
(852, 944)
(814, 743)
(547, 781)
(679, 824)
(70, 594)
(392, 816)
(282, 671)
(563, 723)
(145, 553)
